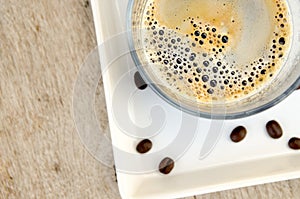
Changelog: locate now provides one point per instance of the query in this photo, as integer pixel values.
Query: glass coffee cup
(217, 59)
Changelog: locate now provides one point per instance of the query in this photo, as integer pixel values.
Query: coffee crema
(205, 49)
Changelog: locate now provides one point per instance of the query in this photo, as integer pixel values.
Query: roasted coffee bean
(166, 165)
(144, 146)
(238, 134)
(294, 143)
(139, 82)
(274, 129)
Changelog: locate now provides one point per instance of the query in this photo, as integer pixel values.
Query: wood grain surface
(42, 46)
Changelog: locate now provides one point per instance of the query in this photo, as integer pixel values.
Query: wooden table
(42, 46)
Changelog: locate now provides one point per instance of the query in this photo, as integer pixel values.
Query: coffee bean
(238, 134)
(139, 82)
(298, 88)
(144, 146)
(166, 165)
(274, 129)
(294, 143)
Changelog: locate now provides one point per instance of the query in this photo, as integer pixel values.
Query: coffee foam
(203, 49)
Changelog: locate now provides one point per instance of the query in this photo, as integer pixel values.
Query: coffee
(294, 143)
(202, 49)
(166, 165)
(144, 146)
(139, 82)
(274, 129)
(238, 134)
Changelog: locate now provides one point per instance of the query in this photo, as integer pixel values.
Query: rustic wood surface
(42, 45)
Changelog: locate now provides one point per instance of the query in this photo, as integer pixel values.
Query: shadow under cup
(284, 82)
